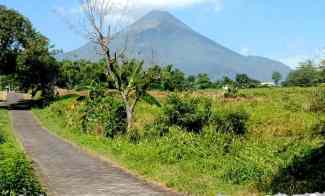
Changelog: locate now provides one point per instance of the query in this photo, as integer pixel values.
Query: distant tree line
(307, 74)
(80, 74)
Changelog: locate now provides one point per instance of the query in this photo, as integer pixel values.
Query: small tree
(126, 76)
(305, 75)
(133, 84)
(243, 81)
(276, 77)
(203, 81)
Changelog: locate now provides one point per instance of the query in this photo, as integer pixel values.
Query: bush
(188, 113)
(156, 129)
(319, 128)
(106, 116)
(230, 91)
(16, 177)
(2, 139)
(231, 122)
(318, 100)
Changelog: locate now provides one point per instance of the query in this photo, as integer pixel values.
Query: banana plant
(132, 85)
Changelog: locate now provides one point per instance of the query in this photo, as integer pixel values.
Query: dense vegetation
(265, 141)
(26, 59)
(82, 74)
(307, 74)
(16, 177)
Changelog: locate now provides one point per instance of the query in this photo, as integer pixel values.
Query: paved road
(69, 171)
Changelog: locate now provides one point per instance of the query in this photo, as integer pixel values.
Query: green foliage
(2, 139)
(157, 129)
(276, 77)
(166, 78)
(169, 78)
(202, 81)
(25, 54)
(189, 113)
(243, 81)
(105, 115)
(319, 128)
(16, 177)
(226, 81)
(318, 100)
(79, 74)
(223, 161)
(15, 30)
(15, 173)
(306, 75)
(230, 91)
(231, 122)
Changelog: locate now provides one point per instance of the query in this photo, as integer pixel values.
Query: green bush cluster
(16, 177)
(2, 139)
(98, 115)
(230, 92)
(194, 113)
(191, 114)
(230, 122)
(106, 115)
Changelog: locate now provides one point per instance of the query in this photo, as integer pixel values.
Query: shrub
(230, 91)
(231, 122)
(16, 177)
(2, 139)
(186, 112)
(318, 100)
(106, 116)
(156, 129)
(319, 128)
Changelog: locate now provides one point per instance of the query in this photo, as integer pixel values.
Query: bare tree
(99, 16)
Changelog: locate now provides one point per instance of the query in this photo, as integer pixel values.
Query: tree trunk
(129, 111)
(129, 114)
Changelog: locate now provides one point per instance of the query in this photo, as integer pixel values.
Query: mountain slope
(161, 38)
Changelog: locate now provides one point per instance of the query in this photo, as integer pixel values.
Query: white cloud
(137, 8)
(124, 12)
(168, 4)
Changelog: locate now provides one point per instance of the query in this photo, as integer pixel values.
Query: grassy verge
(279, 144)
(16, 176)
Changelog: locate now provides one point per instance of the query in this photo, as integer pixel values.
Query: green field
(282, 151)
(16, 174)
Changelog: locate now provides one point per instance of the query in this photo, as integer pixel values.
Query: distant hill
(160, 38)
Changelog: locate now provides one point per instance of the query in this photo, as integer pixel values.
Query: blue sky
(285, 30)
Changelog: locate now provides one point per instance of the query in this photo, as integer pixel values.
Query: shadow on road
(305, 175)
(15, 102)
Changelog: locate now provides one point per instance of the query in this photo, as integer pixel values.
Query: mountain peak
(159, 15)
(157, 19)
(161, 38)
